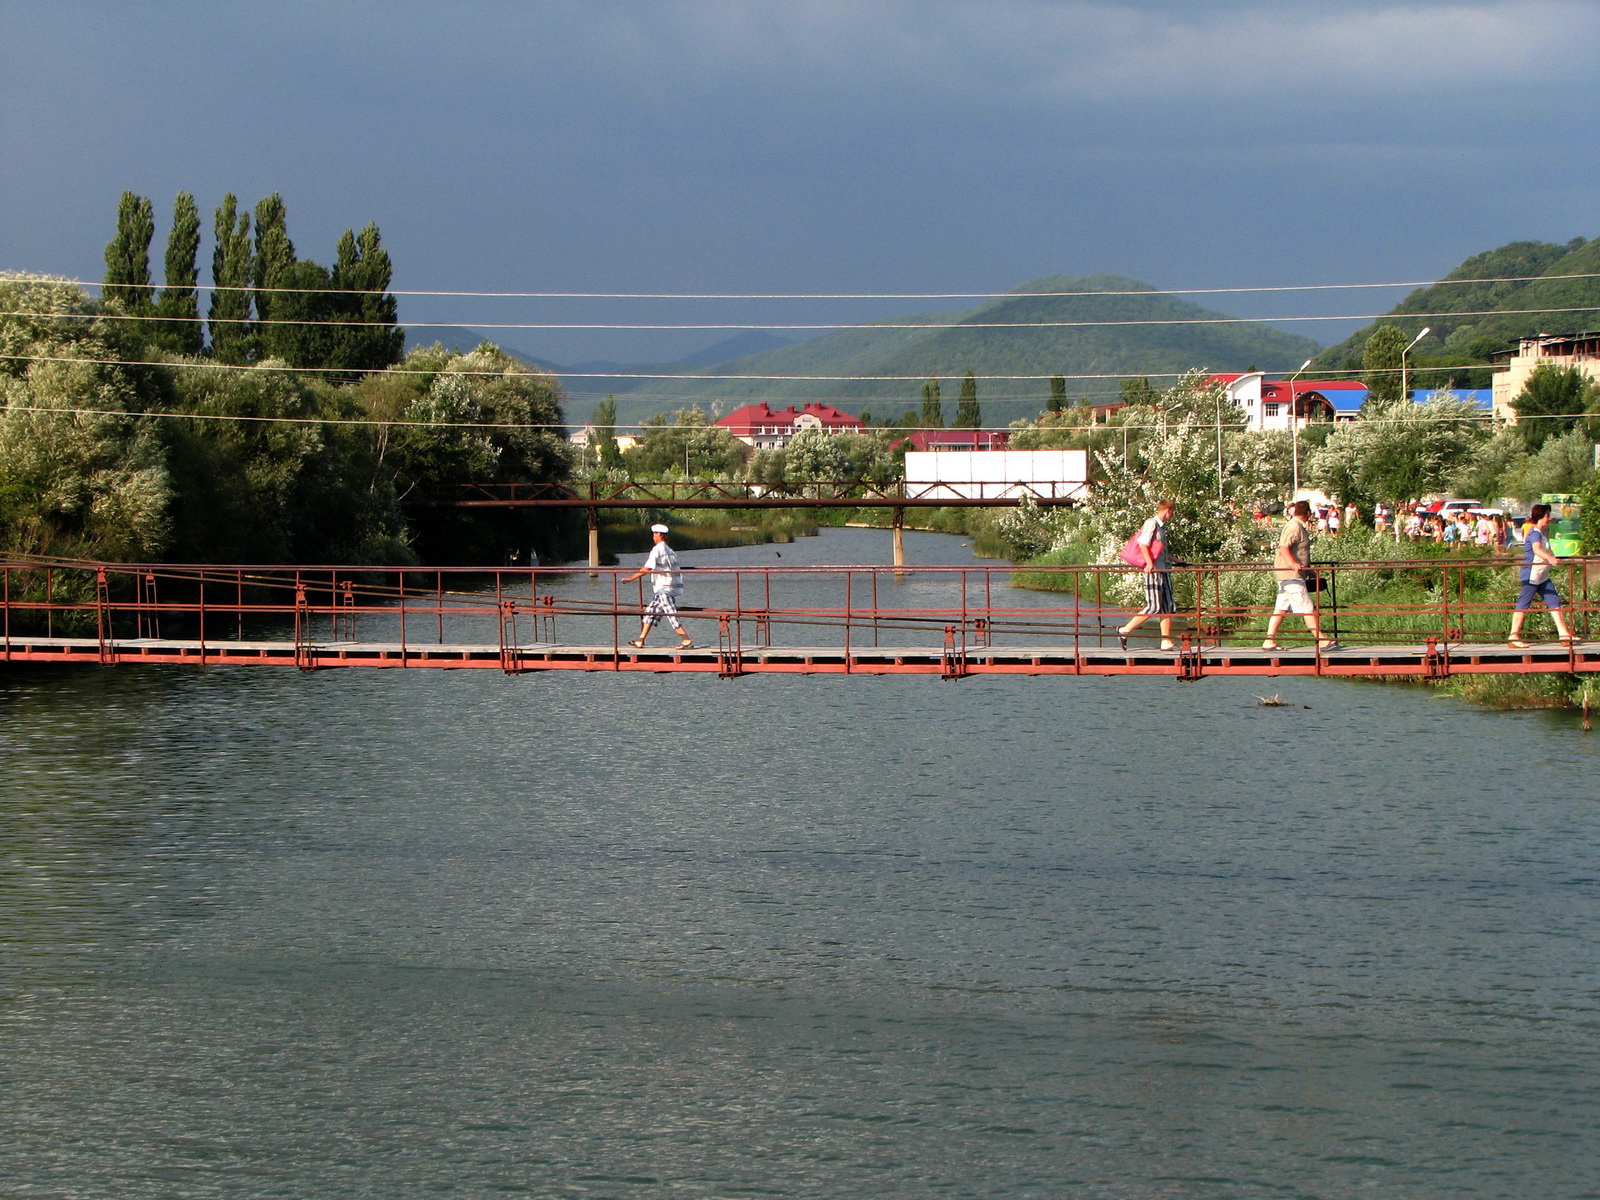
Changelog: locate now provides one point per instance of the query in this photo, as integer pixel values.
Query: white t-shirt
(664, 565)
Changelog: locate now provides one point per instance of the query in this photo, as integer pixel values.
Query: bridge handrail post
(848, 604)
(102, 599)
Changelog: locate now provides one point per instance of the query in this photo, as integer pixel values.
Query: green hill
(1471, 337)
(949, 345)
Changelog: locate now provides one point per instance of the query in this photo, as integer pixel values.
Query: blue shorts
(1545, 591)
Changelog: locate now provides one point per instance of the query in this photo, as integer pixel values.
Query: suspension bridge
(951, 622)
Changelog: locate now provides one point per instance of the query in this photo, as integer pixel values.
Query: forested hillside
(1480, 318)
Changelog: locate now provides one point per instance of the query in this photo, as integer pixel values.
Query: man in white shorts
(1288, 566)
(666, 585)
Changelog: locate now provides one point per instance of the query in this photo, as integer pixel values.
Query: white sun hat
(658, 529)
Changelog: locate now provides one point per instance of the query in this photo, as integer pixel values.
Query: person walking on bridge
(1537, 560)
(666, 585)
(1157, 569)
(1291, 565)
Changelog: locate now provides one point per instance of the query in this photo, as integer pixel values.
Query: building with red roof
(1268, 403)
(767, 428)
(956, 439)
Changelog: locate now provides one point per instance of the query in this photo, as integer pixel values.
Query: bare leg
(1271, 639)
(1166, 631)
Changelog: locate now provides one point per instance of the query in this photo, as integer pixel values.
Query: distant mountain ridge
(1029, 331)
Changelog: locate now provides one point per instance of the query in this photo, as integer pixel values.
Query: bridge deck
(1040, 659)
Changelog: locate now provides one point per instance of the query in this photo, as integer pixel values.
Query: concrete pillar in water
(594, 541)
(899, 527)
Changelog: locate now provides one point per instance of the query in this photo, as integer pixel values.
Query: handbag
(1314, 582)
(1133, 554)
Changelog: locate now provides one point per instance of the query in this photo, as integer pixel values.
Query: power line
(1212, 291)
(674, 375)
(752, 325)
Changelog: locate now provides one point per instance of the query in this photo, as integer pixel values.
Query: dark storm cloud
(755, 145)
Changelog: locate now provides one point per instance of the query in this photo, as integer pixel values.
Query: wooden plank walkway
(1040, 659)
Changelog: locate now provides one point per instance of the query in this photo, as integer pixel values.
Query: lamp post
(1405, 391)
(1294, 431)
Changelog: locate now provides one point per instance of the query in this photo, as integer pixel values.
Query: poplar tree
(932, 409)
(968, 414)
(127, 281)
(232, 340)
(604, 422)
(1380, 359)
(180, 300)
(273, 266)
(1058, 394)
(372, 340)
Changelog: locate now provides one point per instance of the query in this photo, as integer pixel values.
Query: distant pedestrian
(1537, 561)
(1291, 566)
(666, 585)
(1157, 570)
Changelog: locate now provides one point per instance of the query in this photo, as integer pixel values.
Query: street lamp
(1405, 392)
(1294, 431)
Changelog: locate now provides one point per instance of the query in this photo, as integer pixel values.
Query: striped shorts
(662, 604)
(1158, 593)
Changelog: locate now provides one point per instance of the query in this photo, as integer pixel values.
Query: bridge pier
(898, 525)
(594, 542)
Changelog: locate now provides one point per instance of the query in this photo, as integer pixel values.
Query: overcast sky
(797, 145)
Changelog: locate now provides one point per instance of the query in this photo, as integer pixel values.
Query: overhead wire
(1211, 291)
(832, 325)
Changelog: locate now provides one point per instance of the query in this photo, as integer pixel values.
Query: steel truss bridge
(594, 496)
(951, 622)
(837, 494)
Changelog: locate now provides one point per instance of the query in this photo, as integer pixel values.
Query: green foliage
(969, 414)
(75, 483)
(932, 407)
(232, 265)
(361, 277)
(1589, 515)
(273, 268)
(604, 433)
(1058, 394)
(691, 447)
(1380, 360)
(1492, 471)
(1564, 463)
(1399, 452)
(1550, 394)
(127, 282)
(815, 455)
(180, 299)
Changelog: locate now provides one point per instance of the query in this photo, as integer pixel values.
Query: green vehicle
(1563, 532)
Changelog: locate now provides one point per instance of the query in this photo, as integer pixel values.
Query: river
(397, 934)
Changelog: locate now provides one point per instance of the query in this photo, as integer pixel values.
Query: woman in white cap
(666, 585)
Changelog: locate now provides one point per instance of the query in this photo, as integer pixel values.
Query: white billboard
(997, 474)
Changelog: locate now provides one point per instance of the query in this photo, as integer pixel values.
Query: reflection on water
(398, 934)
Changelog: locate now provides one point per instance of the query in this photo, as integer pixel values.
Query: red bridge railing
(1425, 616)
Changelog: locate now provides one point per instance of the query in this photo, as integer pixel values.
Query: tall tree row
(266, 303)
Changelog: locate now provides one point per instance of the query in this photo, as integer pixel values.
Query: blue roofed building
(1482, 397)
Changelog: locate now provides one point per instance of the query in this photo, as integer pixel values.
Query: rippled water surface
(404, 934)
